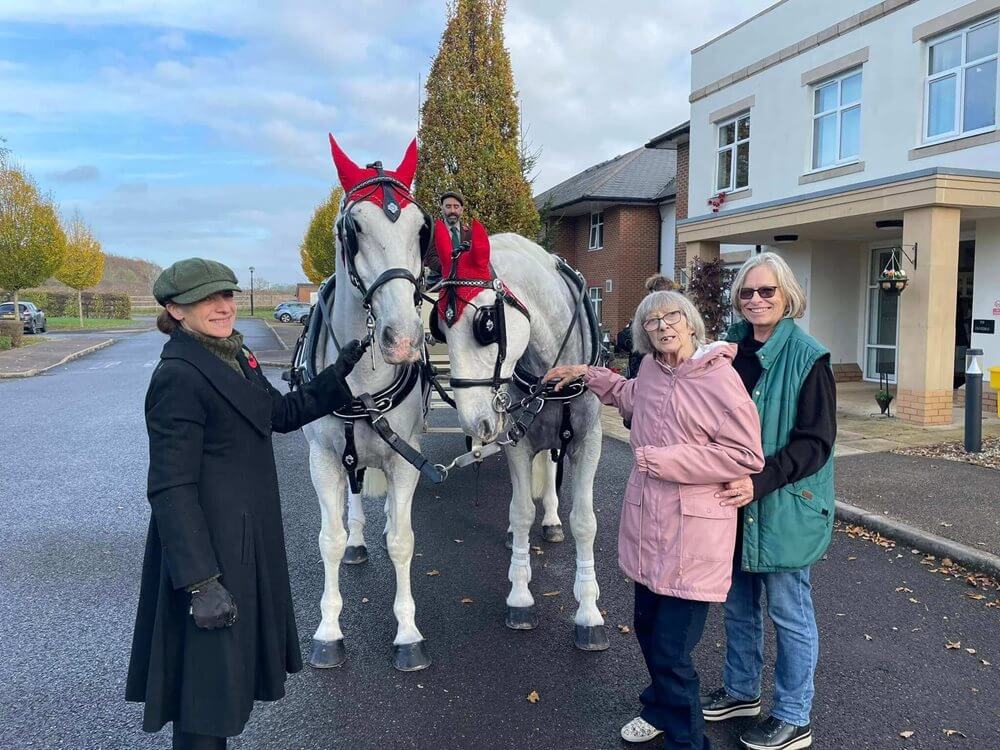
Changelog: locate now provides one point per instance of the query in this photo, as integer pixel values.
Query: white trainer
(639, 730)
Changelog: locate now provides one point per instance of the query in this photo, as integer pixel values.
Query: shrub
(95, 304)
(13, 330)
(5, 343)
(709, 290)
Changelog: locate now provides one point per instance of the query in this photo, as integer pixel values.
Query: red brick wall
(680, 255)
(629, 256)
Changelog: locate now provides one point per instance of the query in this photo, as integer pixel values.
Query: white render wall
(668, 238)
(986, 295)
(781, 119)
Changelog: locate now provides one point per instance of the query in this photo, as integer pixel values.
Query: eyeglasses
(670, 318)
(765, 292)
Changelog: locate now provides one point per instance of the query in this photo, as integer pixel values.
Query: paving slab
(49, 352)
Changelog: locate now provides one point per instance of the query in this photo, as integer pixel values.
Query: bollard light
(973, 400)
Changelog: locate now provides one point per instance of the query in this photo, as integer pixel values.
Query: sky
(184, 127)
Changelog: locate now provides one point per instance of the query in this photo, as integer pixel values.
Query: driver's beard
(452, 220)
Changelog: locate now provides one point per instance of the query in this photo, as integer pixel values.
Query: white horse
(533, 277)
(379, 244)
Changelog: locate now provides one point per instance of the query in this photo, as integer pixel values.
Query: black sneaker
(775, 734)
(719, 706)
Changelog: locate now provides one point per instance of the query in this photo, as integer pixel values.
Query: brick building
(615, 223)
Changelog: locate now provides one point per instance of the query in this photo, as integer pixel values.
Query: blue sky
(182, 128)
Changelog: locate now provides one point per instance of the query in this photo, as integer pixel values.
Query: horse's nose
(388, 337)
(485, 429)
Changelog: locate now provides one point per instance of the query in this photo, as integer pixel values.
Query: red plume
(350, 174)
(408, 166)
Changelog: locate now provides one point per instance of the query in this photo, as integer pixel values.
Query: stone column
(926, 346)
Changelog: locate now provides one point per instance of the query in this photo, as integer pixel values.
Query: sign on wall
(984, 326)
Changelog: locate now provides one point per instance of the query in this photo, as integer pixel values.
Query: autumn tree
(317, 250)
(83, 264)
(32, 243)
(469, 128)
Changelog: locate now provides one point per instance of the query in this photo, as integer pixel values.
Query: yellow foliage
(317, 250)
(83, 264)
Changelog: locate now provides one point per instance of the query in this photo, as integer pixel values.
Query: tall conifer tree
(469, 129)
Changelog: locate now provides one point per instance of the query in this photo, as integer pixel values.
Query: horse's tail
(540, 467)
(375, 484)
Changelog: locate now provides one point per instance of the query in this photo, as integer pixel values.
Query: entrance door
(882, 324)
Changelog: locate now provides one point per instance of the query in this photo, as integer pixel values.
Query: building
(614, 222)
(853, 138)
(306, 292)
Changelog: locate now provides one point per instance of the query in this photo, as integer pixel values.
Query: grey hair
(795, 298)
(657, 301)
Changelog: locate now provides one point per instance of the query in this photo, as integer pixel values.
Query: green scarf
(225, 349)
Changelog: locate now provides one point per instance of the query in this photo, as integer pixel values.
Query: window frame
(596, 222)
(839, 111)
(958, 72)
(737, 141)
(597, 300)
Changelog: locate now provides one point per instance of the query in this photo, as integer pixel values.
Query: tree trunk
(79, 305)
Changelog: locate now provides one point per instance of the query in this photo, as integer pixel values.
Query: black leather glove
(349, 356)
(212, 606)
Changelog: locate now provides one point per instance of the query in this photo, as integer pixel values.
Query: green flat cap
(193, 279)
(456, 194)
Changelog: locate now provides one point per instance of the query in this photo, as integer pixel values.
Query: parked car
(34, 319)
(286, 312)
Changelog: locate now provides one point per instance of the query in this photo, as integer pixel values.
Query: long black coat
(215, 510)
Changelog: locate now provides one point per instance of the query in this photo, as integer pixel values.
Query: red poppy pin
(251, 360)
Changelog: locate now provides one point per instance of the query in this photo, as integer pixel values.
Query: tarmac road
(73, 518)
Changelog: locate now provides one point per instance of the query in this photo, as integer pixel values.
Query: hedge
(13, 330)
(95, 305)
(5, 343)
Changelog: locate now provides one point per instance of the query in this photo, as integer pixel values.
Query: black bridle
(489, 326)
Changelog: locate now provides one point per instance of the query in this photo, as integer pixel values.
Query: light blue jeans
(790, 607)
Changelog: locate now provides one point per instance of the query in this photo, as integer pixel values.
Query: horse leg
(356, 552)
(589, 633)
(329, 480)
(521, 613)
(409, 650)
(552, 530)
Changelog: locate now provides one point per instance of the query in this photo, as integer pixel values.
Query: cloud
(83, 173)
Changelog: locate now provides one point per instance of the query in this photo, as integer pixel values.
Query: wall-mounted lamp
(784, 239)
(889, 224)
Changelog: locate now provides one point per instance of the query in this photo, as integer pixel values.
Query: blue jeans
(789, 605)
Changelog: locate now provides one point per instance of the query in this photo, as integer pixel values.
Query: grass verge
(73, 324)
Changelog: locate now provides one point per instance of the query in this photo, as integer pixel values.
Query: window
(960, 95)
(597, 230)
(837, 121)
(596, 298)
(734, 155)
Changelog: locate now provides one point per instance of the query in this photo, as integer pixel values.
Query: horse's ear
(408, 166)
(350, 174)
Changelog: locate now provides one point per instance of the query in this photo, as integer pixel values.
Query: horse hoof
(510, 540)
(327, 654)
(522, 618)
(553, 533)
(410, 657)
(591, 637)
(355, 555)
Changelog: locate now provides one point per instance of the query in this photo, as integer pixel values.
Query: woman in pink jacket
(694, 428)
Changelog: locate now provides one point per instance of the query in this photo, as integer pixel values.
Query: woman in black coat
(215, 628)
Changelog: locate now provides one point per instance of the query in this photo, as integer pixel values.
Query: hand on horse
(349, 356)
(738, 493)
(212, 606)
(565, 374)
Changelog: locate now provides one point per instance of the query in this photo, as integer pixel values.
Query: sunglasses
(651, 324)
(765, 292)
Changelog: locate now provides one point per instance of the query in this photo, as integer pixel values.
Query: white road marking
(104, 365)
(152, 363)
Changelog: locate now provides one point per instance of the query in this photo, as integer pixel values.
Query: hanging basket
(892, 282)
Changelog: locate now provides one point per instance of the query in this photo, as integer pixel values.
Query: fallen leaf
(977, 597)
(624, 629)
(466, 600)
(903, 589)
(458, 541)
(970, 651)
(906, 734)
(533, 696)
(985, 663)
(914, 601)
(364, 599)
(852, 558)
(867, 637)
(952, 645)
(946, 525)
(551, 593)
(604, 613)
(953, 733)
(433, 572)
(946, 562)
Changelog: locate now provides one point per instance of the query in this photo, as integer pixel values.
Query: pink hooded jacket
(694, 428)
